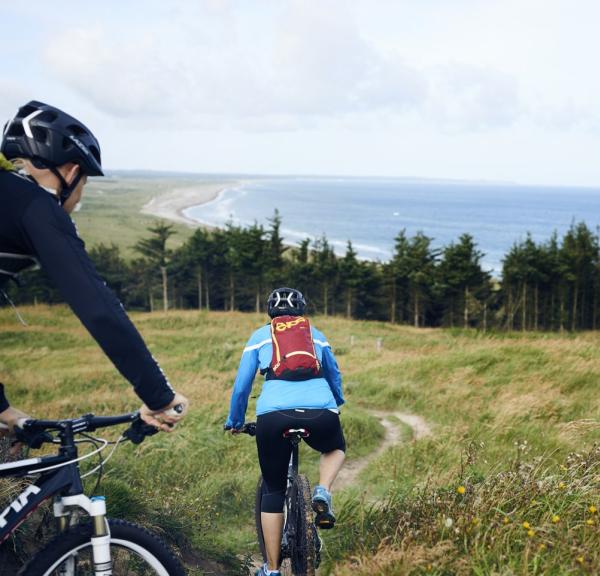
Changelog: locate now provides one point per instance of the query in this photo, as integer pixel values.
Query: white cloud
(501, 89)
(472, 98)
(12, 95)
(201, 63)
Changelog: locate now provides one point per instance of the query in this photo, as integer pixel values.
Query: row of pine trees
(553, 285)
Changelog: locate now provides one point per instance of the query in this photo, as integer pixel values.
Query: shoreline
(173, 204)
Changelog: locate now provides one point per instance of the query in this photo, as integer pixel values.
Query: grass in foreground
(506, 412)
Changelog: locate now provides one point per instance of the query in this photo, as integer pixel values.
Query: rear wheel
(302, 536)
(134, 552)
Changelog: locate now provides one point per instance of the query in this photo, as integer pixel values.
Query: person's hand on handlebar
(13, 416)
(10, 418)
(167, 417)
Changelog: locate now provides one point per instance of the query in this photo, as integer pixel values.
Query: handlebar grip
(34, 438)
(177, 410)
(249, 428)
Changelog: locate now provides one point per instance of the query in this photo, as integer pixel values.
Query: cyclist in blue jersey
(313, 403)
(46, 157)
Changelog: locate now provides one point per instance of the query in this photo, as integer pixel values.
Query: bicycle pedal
(325, 521)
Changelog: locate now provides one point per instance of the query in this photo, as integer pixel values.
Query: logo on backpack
(294, 356)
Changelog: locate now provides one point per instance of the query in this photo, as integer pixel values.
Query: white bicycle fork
(96, 509)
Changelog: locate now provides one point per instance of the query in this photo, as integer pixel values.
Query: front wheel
(134, 551)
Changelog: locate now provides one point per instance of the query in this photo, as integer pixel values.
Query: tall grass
(506, 411)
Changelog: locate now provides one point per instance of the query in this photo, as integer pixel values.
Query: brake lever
(139, 430)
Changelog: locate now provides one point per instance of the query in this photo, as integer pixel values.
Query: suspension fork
(96, 508)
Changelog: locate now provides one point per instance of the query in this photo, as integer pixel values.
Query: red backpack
(294, 356)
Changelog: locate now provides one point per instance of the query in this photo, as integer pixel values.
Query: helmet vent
(77, 130)
(15, 129)
(26, 111)
(39, 134)
(47, 116)
(67, 143)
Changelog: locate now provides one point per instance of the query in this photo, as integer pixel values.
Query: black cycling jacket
(33, 224)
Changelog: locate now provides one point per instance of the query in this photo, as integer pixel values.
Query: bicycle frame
(60, 478)
(295, 437)
(65, 480)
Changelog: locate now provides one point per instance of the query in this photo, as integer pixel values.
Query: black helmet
(286, 301)
(51, 138)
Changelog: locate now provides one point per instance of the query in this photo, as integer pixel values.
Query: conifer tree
(154, 251)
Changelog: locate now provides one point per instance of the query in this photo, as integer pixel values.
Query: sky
(499, 90)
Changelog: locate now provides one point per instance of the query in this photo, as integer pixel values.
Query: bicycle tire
(301, 531)
(132, 547)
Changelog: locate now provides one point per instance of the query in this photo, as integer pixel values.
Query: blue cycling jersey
(325, 392)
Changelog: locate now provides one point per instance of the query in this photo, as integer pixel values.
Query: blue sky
(468, 89)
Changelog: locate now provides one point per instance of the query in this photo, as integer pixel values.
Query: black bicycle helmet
(51, 138)
(286, 302)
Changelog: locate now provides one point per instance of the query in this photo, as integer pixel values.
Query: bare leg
(272, 525)
(331, 463)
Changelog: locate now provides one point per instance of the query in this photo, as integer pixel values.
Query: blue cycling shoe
(321, 504)
(264, 571)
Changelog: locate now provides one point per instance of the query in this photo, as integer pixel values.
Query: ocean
(371, 212)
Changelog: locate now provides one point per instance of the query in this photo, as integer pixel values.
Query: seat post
(295, 440)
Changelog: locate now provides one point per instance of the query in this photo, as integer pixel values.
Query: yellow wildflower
(592, 509)
(531, 533)
(555, 519)
(461, 489)
(541, 547)
(580, 559)
(561, 485)
(506, 520)
(526, 525)
(589, 522)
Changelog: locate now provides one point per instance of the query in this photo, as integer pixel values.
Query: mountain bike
(300, 544)
(89, 546)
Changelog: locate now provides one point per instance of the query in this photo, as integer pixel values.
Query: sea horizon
(370, 212)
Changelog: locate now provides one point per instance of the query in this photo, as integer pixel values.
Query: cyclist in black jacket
(45, 159)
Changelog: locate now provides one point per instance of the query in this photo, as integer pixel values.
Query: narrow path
(393, 435)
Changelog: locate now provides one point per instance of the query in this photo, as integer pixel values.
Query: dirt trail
(393, 434)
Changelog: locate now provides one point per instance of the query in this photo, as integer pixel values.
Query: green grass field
(506, 484)
(110, 212)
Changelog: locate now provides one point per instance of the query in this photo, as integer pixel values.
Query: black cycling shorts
(274, 450)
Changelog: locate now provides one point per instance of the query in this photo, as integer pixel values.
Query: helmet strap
(65, 189)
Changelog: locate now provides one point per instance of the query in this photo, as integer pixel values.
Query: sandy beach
(171, 205)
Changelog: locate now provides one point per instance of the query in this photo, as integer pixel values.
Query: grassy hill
(111, 211)
(506, 484)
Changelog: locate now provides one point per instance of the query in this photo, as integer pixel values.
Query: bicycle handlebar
(248, 428)
(34, 433)
(85, 423)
